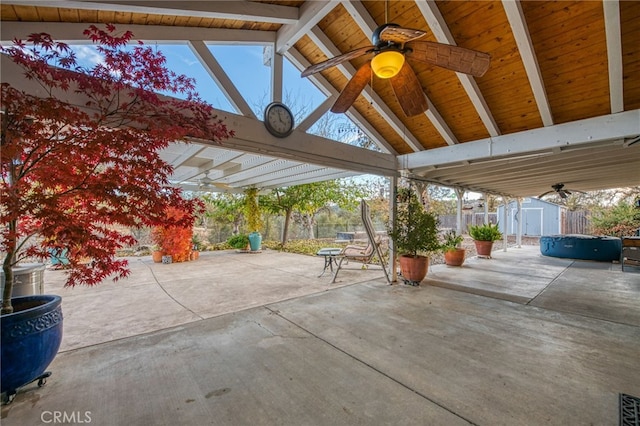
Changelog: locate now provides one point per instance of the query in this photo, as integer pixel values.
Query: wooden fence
(573, 222)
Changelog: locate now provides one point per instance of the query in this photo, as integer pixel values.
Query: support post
(393, 209)
(519, 228)
(505, 218)
(460, 197)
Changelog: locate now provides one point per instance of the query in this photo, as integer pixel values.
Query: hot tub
(576, 246)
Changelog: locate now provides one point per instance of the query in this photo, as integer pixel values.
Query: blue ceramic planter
(31, 337)
(255, 241)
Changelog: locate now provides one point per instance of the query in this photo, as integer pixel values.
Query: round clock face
(278, 119)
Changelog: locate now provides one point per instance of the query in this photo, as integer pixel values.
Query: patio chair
(630, 254)
(360, 253)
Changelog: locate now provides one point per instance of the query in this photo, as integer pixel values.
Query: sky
(244, 66)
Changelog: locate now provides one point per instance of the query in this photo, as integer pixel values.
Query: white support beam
(329, 49)
(614, 53)
(316, 114)
(250, 134)
(233, 10)
(441, 126)
(212, 66)
(326, 88)
(72, 33)
(276, 76)
(613, 127)
(441, 31)
(516, 18)
(311, 12)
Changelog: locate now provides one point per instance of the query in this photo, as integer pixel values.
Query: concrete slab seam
(279, 314)
(551, 282)
(167, 293)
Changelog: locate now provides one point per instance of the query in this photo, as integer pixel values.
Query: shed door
(532, 221)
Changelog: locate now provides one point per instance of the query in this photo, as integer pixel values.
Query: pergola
(560, 102)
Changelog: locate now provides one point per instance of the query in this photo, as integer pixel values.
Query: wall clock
(278, 119)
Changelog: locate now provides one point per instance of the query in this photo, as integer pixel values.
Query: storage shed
(539, 217)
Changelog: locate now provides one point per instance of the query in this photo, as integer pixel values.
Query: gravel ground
(470, 246)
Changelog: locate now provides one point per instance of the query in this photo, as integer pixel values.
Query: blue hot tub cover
(578, 246)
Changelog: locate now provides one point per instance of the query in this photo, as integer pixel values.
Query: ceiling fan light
(387, 64)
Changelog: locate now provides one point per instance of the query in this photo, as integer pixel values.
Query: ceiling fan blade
(409, 92)
(353, 89)
(455, 58)
(399, 34)
(336, 61)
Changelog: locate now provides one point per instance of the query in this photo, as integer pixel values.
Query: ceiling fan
(558, 188)
(206, 182)
(393, 44)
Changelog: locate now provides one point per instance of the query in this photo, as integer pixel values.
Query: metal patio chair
(360, 253)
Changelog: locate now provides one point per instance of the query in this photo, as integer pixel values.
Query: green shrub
(487, 232)
(238, 241)
(451, 240)
(620, 220)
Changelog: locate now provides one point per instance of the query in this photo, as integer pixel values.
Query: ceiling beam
(251, 136)
(250, 133)
(520, 31)
(212, 66)
(234, 10)
(441, 31)
(311, 12)
(72, 32)
(614, 53)
(560, 136)
(328, 90)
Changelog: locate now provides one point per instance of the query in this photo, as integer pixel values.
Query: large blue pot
(255, 241)
(31, 337)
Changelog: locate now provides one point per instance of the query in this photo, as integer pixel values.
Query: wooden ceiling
(552, 63)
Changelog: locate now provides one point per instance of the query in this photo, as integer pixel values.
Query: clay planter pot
(414, 269)
(157, 256)
(194, 255)
(483, 248)
(454, 257)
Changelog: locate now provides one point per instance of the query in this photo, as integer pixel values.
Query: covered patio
(260, 339)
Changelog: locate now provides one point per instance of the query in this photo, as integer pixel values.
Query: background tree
(308, 199)
(73, 173)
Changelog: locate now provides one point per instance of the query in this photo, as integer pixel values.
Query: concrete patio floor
(239, 339)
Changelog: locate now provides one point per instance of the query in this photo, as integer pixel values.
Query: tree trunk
(285, 230)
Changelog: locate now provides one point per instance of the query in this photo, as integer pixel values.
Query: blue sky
(244, 66)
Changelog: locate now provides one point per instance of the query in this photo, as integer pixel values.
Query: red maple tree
(81, 159)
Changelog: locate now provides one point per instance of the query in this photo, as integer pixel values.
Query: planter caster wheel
(411, 283)
(42, 379)
(9, 397)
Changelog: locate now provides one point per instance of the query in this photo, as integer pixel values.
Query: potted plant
(453, 253)
(414, 236)
(254, 218)
(174, 240)
(239, 241)
(81, 162)
(483, 237)
(196, 247)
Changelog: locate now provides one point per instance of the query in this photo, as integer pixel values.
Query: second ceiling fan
(391, 45)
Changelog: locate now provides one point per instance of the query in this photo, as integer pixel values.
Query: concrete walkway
(234, 339)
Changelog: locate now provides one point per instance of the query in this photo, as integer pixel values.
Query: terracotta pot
(454, 257)
(157, 256)
(194, 255)
(414, 269)
(483, 248)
